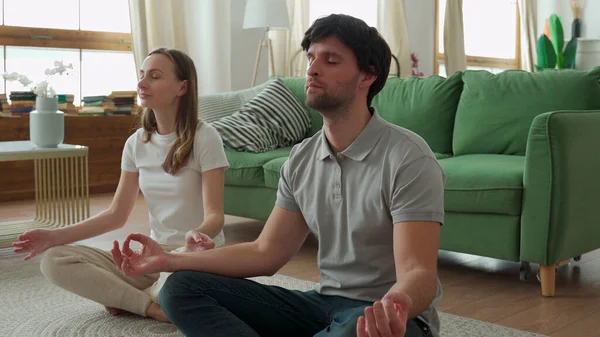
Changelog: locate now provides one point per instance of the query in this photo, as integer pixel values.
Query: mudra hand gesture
(152, 258)
(385, 318)
(195, 240)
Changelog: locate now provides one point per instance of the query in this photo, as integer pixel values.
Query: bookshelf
(105, 137)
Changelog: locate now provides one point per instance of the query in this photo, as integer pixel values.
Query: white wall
(590, 26)
(244, 45)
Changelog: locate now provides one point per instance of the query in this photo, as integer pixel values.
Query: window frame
(63, 38)
(478, 61)
(18, 36)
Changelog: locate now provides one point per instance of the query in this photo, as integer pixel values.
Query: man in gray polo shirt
(370, 191)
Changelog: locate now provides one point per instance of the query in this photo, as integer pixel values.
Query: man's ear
(183, 89)
(368, 77)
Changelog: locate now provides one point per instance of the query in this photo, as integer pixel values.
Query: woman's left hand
(195, 240)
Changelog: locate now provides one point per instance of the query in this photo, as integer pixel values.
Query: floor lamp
(267, 14)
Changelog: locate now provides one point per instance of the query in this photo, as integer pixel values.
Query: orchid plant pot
(46, 123)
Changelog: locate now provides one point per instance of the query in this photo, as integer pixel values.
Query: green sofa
(520, 151)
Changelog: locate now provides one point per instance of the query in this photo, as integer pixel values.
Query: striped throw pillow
(274, 118)
(213, 107)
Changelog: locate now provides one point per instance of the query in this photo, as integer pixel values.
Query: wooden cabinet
(104, 135)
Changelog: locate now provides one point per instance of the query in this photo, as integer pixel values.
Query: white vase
(588, 53)
(46, 123)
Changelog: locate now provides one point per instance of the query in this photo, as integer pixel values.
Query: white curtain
(391, 24)
(528, 25)
(201, 29)
(454, 38)
(288, 58)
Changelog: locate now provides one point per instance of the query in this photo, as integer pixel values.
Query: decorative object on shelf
(588, 53)
(415, 65)
(46, 122)
(550, 51)
(576, 9)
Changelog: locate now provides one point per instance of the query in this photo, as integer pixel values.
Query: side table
(61, 186)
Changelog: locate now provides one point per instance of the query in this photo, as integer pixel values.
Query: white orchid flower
(24, 80)
(11, 76)
(42, 88)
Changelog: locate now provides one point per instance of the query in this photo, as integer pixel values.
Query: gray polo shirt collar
(362, 145)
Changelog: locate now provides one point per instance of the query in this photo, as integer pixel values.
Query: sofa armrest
(561, 197)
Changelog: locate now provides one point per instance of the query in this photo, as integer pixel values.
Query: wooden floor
(476, 287)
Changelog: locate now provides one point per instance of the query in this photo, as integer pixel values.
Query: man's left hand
(385, 318)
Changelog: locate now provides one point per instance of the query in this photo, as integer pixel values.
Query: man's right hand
(152, 258)
(35, 242)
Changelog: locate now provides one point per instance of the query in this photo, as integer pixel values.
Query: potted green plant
(551, 50)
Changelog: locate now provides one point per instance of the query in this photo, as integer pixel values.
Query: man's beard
(331, 105)
(325, 103)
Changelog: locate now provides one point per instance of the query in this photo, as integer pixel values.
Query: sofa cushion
(495, 112)
(212, 107)
(441, 155)
(272, 119)
(246, 169)
(424, 105)
(272, 171)
(484, 183)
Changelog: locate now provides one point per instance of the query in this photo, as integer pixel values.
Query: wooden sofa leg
(548, 279)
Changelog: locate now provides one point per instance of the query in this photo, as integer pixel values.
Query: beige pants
(92, 273)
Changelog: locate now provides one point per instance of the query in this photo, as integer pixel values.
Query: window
(365, 10)
(116, 66)
(491, 34)
(95, 36)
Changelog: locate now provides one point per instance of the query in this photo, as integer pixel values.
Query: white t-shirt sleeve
(208, 150)
(128, 156)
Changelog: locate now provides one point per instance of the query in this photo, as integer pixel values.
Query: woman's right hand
(35, 241)
(195, 240)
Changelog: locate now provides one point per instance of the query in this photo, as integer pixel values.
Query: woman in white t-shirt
(178, 163)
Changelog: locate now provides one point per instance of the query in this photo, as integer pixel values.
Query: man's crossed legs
(202, 304)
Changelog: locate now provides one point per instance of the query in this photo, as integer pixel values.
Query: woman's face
(159, 88)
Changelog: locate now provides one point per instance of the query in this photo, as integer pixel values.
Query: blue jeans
(202, 304)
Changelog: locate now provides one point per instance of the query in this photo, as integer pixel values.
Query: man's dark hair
(372, 52)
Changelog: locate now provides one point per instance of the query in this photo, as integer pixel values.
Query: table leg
(61, 197)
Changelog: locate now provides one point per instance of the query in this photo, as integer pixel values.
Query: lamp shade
(270, 14)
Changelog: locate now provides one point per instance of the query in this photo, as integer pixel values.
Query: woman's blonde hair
(186, 121)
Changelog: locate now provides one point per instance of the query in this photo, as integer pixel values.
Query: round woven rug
(32, 306)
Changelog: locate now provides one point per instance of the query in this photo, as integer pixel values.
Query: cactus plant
(550, 51)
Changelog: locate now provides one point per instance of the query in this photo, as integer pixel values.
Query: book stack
(65, 104)
(101, 105)
(125, 102)
(4, 106)
(21, 102)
